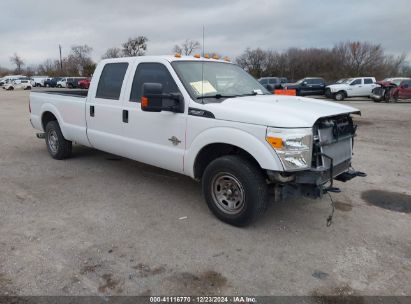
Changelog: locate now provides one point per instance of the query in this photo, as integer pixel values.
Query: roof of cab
(168, 58)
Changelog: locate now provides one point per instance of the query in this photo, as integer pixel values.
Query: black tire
(376, 100)
(10, 89)
(339, 96)
(251, 184)
(58, 146)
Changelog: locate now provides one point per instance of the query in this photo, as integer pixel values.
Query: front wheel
(339, 96)
(57, 145)
(235, 190)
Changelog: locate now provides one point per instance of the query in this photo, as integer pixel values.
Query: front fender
(260, 150)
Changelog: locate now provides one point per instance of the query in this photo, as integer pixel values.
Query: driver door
(155, 138)
(356, 87)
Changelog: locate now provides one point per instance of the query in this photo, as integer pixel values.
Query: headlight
(293, 146)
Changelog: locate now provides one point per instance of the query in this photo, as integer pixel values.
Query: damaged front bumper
(331, 160)
(312, 183)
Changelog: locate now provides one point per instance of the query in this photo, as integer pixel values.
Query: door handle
(125, 116)
(92, 111)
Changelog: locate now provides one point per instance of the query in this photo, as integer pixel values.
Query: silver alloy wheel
(338, 96)
(228, 193)
(53, 141)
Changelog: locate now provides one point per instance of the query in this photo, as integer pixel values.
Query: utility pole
(61, 61)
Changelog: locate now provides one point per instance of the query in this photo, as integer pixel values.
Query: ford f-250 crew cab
(207, 119)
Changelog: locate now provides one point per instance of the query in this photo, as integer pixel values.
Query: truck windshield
(215, 81)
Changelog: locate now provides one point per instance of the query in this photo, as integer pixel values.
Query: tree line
(345, 59)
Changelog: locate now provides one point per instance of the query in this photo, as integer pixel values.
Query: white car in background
(38, 81)
(62, 83)
(10, 78)
(18, 84)
(352, 87)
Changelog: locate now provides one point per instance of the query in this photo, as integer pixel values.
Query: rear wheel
(57, 145)
(235, 190)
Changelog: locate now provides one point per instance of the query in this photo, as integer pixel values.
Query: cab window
(355, 82)
(368, 81)
(111, 80)
(151, 73)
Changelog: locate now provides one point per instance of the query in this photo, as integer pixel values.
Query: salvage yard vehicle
(307, 86)
(272, 83)
(73, 83)
(38, 81)
(352, 87)
(84, 83)
(392, 89)
(10, 78)
(207, 119)
(52, 82)
(18, 84)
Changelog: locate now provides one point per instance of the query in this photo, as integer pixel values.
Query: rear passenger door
(155, 138)
(104, 109)
(368, 86)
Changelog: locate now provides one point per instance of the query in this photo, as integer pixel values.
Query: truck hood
(337, 87)
(276, 110)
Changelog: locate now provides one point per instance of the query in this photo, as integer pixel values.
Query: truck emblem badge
(174, 140)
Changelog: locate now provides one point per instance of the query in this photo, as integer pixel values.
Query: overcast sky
(34, 29)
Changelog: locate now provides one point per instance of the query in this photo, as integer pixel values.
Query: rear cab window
(368, 81)
(111, 80)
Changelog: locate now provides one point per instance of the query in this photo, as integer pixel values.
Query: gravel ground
(98, 224)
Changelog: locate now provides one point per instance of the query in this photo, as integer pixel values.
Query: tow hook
(41, 135)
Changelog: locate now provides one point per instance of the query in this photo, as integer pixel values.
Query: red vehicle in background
(392, 89)
(84, 84)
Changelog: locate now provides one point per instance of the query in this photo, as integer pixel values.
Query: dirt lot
(100, 224)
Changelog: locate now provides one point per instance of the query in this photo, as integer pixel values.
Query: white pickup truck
(207, 119)
(352, 87)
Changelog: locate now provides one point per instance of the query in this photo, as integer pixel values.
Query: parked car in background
(22, 84)
(52, 82)
(62, 83)
(272, 83)
(72, 83)
(38, 81)
(307, 86)
(352, 87)
(392, 89)
(84, 84)
(9, 78)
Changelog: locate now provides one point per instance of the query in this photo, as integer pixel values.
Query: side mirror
(154, 100)
(405, 86)
(152, 97)
(304, 83)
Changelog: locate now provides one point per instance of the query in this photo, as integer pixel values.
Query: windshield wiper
(217, 96)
